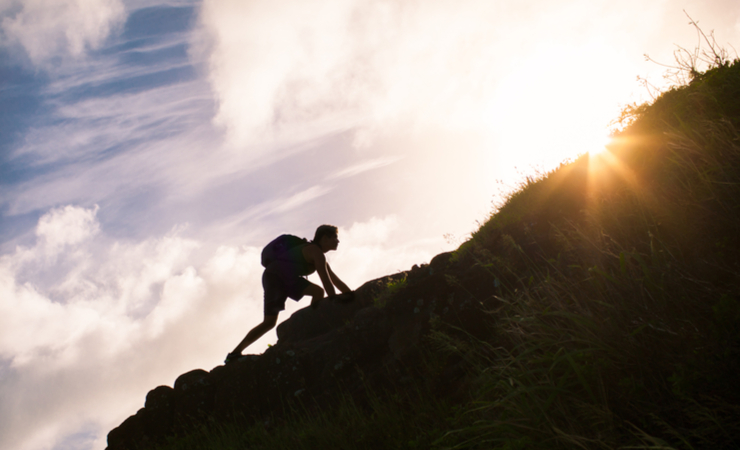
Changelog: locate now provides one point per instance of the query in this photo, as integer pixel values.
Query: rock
(194, 398)
(159, 398)
(129, 434)
(440, 262)
(307, 323)
(190, 380)
(320, 353)
(159, 407)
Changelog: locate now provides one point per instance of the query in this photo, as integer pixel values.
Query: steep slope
(336, 349)
(599, 307)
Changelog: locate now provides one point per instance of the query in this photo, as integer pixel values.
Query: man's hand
(343, 298)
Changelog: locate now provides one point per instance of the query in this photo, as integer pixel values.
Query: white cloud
(67, 226)
(53, 28)
(127, 315)
(364, 166)
(291, 69)
(89, 127)
(372, 233)
(278, 50)
(300, 199)
(122, 145)
(278, 67)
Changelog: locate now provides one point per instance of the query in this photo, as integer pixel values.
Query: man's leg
(257, 332)
(316, 293)
(274, 302)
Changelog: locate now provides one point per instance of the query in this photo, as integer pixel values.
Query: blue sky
(149, 149)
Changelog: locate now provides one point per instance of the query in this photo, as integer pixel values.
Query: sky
(150, 149)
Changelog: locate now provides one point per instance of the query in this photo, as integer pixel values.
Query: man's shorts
(279, 283)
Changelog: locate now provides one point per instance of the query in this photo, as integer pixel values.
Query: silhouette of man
(285, 278)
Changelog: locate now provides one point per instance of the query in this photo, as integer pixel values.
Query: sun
(599, 145)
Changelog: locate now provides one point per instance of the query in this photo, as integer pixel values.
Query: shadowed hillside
(598, 307)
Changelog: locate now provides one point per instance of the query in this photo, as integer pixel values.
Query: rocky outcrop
(374, 340)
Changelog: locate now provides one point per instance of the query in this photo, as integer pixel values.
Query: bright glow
(539, 118)
(600, 147)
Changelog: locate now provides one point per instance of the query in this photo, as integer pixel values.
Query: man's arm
(336, 281)
(318, 259)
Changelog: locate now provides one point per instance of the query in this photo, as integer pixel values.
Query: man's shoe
(231, 357)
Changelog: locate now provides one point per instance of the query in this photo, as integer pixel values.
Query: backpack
(279, 248)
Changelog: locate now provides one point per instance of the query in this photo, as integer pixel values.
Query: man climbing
(284, 277)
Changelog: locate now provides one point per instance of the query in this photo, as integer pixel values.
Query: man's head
(326, 237)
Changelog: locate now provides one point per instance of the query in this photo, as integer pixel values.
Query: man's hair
(324, 230)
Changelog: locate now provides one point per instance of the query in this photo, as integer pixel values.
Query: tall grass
(621, 314)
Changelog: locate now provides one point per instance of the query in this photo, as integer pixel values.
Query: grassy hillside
(611, 289)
